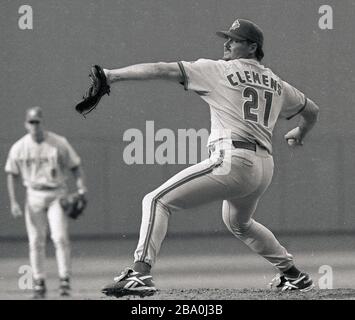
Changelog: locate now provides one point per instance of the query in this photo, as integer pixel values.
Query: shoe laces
(292, 283)
(296, 280)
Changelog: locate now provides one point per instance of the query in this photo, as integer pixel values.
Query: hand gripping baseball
(294, 137)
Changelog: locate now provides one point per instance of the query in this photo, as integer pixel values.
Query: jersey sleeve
(199, 75)
(70, 157)
(11, 165)
(294, 101)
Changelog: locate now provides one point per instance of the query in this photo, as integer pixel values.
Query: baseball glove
(73, 205)
(98, 88)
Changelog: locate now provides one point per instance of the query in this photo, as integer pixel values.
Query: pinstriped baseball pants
(238, 177)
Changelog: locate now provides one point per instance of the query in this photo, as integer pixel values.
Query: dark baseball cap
(34, 114)
(242, 29)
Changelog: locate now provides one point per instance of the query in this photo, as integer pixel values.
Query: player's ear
(253, 47)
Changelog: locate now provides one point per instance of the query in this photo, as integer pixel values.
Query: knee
(238, 228)
(37, 243)
(60, 241)
(148, 199)
(151, 200)
(234, 220)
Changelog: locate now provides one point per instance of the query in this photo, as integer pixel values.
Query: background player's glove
(294, 137)
(98, 88)
(73, 204)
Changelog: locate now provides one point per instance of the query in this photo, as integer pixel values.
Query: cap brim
(34, 119)
(228, 34)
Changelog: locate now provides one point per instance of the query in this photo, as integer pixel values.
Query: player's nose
(227, 44)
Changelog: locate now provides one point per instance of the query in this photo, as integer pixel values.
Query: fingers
(289, 135)
(16, 210)
(291, 142)
(293, 134)
(293, 137)
(294, 142)
(17, 213)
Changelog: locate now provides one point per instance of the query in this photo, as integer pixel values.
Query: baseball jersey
(42, 165)
(245, 98)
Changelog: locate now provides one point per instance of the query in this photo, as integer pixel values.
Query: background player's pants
(43, 206)
(237, 176)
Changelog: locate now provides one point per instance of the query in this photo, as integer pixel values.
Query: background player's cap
(242, 29)
(34, 114)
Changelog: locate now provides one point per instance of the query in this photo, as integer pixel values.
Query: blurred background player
(44, 160)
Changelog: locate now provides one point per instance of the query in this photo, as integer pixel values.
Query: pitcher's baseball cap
(242, 29)
(34, 114)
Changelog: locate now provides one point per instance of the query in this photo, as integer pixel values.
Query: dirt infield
(204, 294)
(218, 268)
(248, 294)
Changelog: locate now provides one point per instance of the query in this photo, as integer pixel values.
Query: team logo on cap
(235, 25)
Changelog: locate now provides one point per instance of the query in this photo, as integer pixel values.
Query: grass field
(208, 267)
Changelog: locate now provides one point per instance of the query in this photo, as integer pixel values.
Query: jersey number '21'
(253, 103)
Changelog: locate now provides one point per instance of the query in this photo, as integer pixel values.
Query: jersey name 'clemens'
(255, 78)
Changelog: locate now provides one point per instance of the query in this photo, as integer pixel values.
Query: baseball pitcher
(43, 160)
(245, 100)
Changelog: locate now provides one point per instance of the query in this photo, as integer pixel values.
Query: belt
(244, 145)
(43, 188)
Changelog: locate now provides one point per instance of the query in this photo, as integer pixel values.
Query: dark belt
(244, 145)
(43, 188)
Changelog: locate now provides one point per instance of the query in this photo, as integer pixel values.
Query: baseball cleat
(303, 283)
(39, 289)
(132, 283)
(277, 282)
(64, 287)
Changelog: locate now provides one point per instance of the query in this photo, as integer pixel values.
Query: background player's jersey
(42, 164)
(245, 98)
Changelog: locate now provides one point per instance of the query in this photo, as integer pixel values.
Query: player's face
(236, 49)
(34, 127)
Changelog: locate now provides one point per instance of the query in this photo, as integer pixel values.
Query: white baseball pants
(43, 207)
(239, 177)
